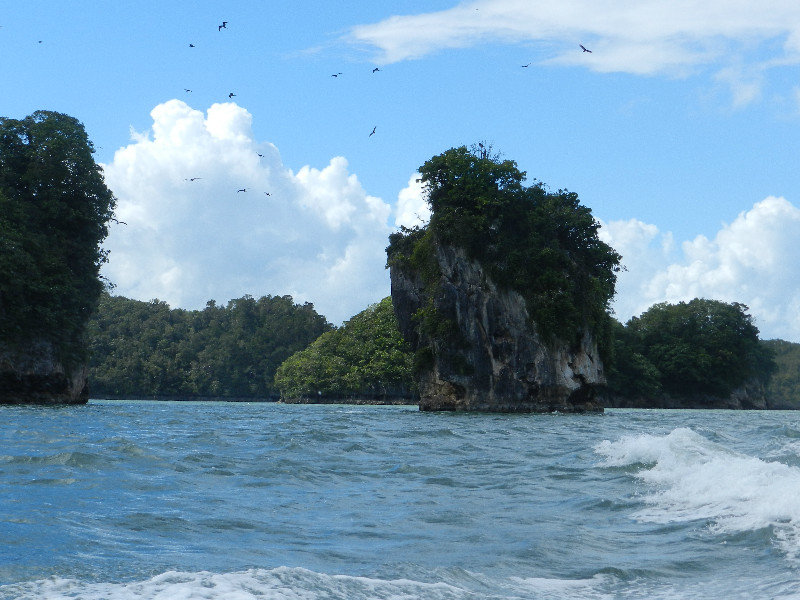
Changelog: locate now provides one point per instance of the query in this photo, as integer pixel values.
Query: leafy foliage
(147, 349)
(54, 210)
(366, 356)
(783, 390)
(697, 347)
(543, 245)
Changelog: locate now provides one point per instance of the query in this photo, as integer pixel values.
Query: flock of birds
(231, 95)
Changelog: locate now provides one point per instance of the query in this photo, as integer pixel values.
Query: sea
(238, 501)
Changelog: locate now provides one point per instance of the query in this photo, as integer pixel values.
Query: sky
(680, 130)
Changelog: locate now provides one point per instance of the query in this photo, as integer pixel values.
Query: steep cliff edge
(479, 350)
(35, 375)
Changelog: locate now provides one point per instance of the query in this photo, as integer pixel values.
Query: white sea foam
(692, 478)
(286, 583)
(282, 583)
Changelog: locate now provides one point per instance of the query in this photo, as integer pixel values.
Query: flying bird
(373, 131)
(191, 45)
(584, 48)
(241, 190)
(186, 90)
(261, 155)
(223, 26)
(268, 194)
(231, 95)
(526, 66)
(335, 74)
(375, 70)
(193, 179)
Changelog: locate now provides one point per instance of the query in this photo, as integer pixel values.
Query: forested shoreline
(149, 350)
(272, 348)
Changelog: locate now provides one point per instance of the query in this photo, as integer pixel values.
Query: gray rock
(32, 374)
(492, 357)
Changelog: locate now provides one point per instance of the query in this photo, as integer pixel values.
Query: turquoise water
(122, 500)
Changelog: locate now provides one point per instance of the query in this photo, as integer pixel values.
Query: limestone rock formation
(485, 354)
(34, 374)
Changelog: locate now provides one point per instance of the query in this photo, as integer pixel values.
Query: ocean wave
(690, 478)
(285, 583)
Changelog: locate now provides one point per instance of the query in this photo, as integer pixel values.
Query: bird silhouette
(335, 74)
(193, 179)
(261, 155)
(584, 48)
(223, 26)
(231, 95)
(268, 194)
(373, 131)
(191, 45)
(241, 190)
(186, 90)
(375, 70)
(526, 66)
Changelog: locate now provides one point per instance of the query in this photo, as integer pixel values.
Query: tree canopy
(542, 244)
(54, 210)
(697, 347)
(784, 386)
(365, 357)
(148, 349)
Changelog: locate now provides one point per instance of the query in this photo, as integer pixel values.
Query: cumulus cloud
(643, 37)
(191, 236)
(412, 207)
(751, 260)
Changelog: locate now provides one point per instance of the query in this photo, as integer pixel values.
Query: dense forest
(147, 349)
(697, 348)
(54, 210)
(258, 348)
(366, 358)
(783, 389)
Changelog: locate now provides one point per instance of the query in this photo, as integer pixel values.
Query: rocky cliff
(476, 349)
(33, 374)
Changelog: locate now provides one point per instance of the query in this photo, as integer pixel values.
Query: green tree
(54, 210)
(544, 245)
(702, 346)
(148, 349)
(783, 390)
(365, 357)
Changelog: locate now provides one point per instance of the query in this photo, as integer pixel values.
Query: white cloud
(752, 260)
(642, 37)
(412, 207)
(317, 236)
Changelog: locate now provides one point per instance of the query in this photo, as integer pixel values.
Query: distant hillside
(783, 390)
(147, 349)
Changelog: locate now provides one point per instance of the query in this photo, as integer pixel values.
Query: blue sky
(680, 130)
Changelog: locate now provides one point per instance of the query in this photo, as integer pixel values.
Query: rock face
(34, 375)
(489, 358)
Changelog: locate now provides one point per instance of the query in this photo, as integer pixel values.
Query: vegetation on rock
(146, 349)
(366, 357)
(54, 210)
(541, 244)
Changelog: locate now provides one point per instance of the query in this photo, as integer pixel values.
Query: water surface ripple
(120, 500)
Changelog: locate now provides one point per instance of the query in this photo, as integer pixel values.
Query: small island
(504, 295)
(54, 211)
